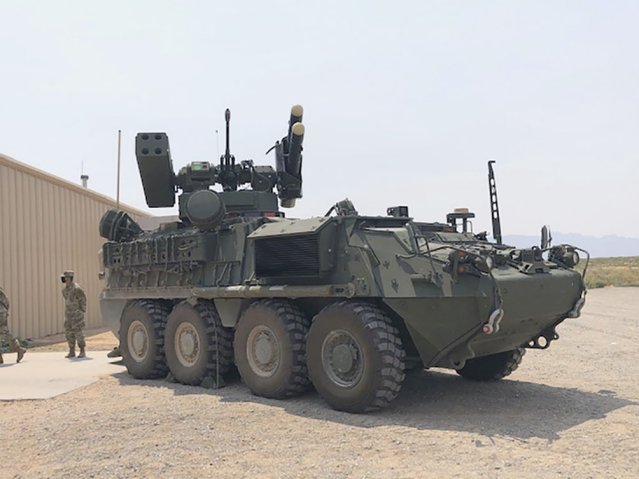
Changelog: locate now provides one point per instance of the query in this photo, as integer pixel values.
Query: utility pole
(117, 196)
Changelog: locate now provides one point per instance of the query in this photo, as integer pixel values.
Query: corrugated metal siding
(47, 225)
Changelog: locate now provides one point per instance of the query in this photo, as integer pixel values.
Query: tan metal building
(48, 225)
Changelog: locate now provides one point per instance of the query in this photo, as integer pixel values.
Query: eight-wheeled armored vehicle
(344, 302)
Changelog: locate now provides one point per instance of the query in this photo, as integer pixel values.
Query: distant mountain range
(599, 247)
(609, 246)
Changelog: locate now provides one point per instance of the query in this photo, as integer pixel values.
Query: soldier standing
(75, 305)
(5, 335)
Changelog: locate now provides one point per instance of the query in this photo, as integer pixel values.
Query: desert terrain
(569, 411)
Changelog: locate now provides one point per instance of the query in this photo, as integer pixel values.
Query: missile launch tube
(297, 111)
(294, 160)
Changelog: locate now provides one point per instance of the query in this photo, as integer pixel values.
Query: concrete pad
(43, 375)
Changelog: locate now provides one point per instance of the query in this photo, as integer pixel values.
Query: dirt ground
(570, 411)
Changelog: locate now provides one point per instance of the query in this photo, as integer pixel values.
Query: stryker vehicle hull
(346, 302)
(440, 317)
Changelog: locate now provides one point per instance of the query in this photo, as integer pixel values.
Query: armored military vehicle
(344, 302)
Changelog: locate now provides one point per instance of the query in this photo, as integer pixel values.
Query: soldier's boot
(20, 350)
(114, 353)
(71, 353)
(82, 354)
(1, 360)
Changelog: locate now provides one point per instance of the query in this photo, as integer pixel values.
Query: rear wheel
(355, 357)
(493, 367)
(197, 345)
(142, 338)
(270, 348)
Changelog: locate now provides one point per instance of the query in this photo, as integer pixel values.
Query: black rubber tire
(289, 325)
(214, 355)
(493, 367)
(381, 352)
(151, 315)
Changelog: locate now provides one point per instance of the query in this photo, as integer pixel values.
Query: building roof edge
(43, 175)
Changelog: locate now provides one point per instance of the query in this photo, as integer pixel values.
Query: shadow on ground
(441, 401)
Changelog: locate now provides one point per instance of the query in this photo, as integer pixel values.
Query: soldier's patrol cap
(67, 274)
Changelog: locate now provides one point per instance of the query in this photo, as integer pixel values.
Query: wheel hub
(138, 341)
(342, 358)
(263, 351)
(187, 344)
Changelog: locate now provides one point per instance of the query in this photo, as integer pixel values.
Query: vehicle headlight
(490, 262)
(570, 258)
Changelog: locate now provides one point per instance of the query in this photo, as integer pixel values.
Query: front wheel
(493, 367)
(355, 357)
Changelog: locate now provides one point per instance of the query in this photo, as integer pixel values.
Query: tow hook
(492, 326)
(575, 312)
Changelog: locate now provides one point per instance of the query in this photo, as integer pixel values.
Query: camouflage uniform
(75, 305)
(5, 335)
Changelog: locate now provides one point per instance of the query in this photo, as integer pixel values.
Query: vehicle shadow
(433, 400)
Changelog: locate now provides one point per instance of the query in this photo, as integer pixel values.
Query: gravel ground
(570, 411)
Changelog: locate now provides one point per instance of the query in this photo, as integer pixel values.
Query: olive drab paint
(380, 293)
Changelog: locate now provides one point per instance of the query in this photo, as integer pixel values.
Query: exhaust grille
(293, 256)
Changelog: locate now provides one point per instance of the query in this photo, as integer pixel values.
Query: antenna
(228, 159)
(228, 175)
(117, 196)
(494, 206)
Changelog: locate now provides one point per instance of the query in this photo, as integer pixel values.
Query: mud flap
(111, 310)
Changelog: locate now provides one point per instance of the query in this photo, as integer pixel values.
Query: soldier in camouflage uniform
(5, 335)
(75, 305)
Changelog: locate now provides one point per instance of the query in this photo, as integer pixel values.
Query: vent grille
(293, 256)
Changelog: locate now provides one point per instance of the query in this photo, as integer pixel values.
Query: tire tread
(157, 312)
(296, 325)
(388, 344)
(493, 367)
(219, 340)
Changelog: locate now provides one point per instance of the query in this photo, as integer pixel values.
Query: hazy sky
(404, 101)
